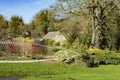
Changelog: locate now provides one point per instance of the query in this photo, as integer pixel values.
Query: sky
(26, 9)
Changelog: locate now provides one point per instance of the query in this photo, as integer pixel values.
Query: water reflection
(12, 78)
(18, 77)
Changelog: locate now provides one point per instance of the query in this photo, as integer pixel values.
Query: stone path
(27, 61)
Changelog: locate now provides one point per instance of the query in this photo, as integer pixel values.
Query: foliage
(2, 53)
(67, 56)
(96, 51)
(50, 42)
(12, 58)
(4, 32)
(16, 25)
(67, 44)
(95, 23)
(108, 58)
(88, 60)
(34, 56)
(85, 23)
(43, 22)
(104, 56)
(95, 18)
(24, 40)
(53, 43)
(74, 28)
(56, 44)
(103, 21)
(3, 23)
(15, 56)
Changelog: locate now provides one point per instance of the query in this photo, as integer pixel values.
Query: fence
(23, 48)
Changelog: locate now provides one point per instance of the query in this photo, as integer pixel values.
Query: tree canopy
(93, 23)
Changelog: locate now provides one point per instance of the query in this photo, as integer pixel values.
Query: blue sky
(26, 9)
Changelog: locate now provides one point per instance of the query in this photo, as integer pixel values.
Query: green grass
(59, 71)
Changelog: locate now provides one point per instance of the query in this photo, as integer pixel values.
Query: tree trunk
(95, 32)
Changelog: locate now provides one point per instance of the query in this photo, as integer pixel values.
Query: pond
(13, 77)
(17, 77)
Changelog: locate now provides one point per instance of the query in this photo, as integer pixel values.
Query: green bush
(88, 60)
(67, 56)
(67, 44)
(50, 42)
(55, 44)
(105, 56)
(96, 51)
(2, 53)
(34, 56)
(95, 57)
(108, 58)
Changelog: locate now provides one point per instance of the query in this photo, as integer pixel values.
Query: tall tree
(102, 17)
(103, 22)
(51, 20)
(66, 8)
(3, 28)
(16, 25)
(3, 23)
(41, 22)
(75, 19)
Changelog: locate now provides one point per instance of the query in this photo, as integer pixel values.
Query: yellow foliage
(28, 40)
(96, 51)
(25, 40)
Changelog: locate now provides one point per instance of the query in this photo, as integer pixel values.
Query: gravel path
(27, 61)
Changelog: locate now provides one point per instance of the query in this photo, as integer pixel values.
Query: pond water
(17, 77)
(13, 77)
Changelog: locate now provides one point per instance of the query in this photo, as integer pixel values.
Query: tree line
(90, 23)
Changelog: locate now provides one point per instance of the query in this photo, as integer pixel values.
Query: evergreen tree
(16, 25)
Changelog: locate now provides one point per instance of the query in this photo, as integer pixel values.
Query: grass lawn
(59, 71)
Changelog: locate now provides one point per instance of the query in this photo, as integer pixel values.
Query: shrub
(96, 51)
(105, 56)
(95, 57)
(62, 43)
(2, 53)
(108, 58)
(67, 44)
(67, 56)
(50, 42)
(88, 60)
(34, 56)
(55, 44)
